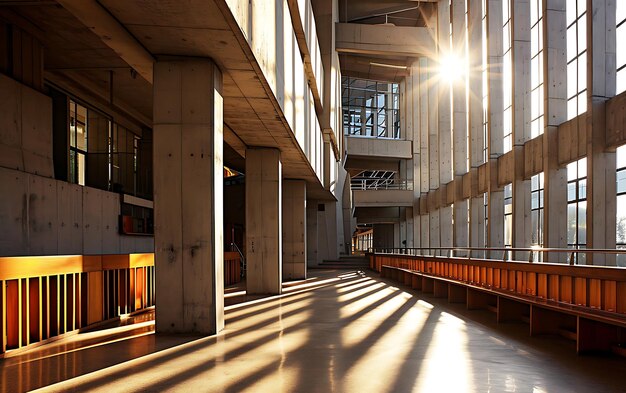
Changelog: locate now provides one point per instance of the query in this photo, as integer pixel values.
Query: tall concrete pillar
(555, 109)
(495, 216)
(601, 165)
(460, 228)
(263, 221)
(188, 192)
(311, 234)
(294, 230)
(475, 117)
(522, 226)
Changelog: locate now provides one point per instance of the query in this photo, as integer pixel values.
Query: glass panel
(571, 223)
(582, 223)
(620, 11)
(582, 102)
(582, 167)
(534, 218)
(81, 169)
(621, 181)
(620, 38)
(581, 7)
(572, 73)
(570, 9)
(571, 191)
(621, 220)
(582, 72)
(582, 189)
(620, 85)
(582, 34)
(572, 173)
(621, 157)
(571, 43)
(572, 108)
(72, 166)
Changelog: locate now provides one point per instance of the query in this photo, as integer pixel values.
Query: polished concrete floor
(339, 331)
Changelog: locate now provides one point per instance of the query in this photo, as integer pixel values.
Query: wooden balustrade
(232, 267)
(584, 303)
(48, 296)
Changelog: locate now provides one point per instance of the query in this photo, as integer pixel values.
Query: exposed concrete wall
(294, 229)
(25, 128)
(42, 216)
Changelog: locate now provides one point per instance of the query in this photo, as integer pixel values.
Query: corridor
(338, 331)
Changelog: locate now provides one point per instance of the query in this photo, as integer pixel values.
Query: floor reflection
(339, 331)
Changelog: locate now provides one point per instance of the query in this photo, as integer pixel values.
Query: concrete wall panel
(70, 218)
(13, 212)
(42, 216)
(92, 221)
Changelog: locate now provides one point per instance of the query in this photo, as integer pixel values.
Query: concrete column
(188, 196)
(495, 229)
(263, 221)
(477, 225)
(443, 91)
(460, 228)
(555, 109)
(522, 226)
(311, 233)
(475, 116)
(601, 165)
(294, 228)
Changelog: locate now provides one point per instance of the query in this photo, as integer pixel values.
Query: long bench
(594, 324)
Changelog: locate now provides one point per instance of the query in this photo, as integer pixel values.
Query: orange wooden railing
(584, 303)
(232, 267)
(596, 287)
(48, 296)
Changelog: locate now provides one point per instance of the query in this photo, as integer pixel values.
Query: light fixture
(396, 67)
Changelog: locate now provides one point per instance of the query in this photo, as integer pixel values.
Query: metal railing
(382, 184)
(234, 247)
(498, 253)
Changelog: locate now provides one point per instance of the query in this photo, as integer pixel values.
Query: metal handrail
(451, 251)
(234, 247)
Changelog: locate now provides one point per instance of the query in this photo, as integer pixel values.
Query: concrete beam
(113, 34)
(384, 40)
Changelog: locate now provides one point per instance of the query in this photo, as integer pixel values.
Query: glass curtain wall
(370, 108)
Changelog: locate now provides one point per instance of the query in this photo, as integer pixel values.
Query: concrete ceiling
(397, 12)
(369, 67)
(165, 28)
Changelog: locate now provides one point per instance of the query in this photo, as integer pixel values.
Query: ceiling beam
(113, 34)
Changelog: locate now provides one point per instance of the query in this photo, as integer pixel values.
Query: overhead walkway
(339, 331)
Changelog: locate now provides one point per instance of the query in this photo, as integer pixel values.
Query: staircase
(358, 262)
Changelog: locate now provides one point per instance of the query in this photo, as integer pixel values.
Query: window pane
(570, 8)
(582, 34)
(582, 223)
(621, 220)
(81, 169)
(571, 43)
(571, 192)
(582, 189)
(582, 102)
(621, 181)
(582, 72)
(572, 73)
(571, 223)
(620, 38)
(621, 157)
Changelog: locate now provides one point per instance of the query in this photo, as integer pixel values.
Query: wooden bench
(592, 329)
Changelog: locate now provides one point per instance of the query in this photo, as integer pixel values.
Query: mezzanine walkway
(338, 331)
